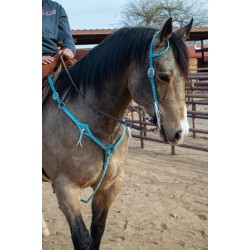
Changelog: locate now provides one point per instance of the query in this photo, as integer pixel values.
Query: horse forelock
(110, 60)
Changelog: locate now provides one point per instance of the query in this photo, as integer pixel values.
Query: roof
(90, 36)
(96, 36)
(198, 33)
(192, 51)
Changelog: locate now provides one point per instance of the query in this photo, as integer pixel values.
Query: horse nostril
(154, 120)
(178, 135)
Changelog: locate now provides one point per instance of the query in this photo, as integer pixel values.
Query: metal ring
(61, 105)
(55, 96)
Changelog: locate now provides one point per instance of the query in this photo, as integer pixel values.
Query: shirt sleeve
(64, 32)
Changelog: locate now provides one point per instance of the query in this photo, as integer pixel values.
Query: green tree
(154, 12)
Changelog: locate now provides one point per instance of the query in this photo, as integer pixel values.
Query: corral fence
(197, 103)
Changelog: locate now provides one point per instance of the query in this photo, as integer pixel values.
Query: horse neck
(113, 102)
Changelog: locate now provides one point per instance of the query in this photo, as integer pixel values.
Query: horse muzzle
(174, 136)
(171, 138)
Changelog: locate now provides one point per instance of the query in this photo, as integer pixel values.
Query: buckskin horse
(85, 143)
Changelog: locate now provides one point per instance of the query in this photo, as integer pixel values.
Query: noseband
(151, 74)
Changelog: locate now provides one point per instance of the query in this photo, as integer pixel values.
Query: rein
(92, 106)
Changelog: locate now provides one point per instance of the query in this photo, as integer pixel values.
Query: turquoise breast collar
(84, 130)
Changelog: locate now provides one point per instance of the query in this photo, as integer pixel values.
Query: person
(55, 28)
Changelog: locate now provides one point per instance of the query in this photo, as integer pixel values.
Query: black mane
(110, 59)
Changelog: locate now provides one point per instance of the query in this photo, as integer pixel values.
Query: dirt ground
(163, 204)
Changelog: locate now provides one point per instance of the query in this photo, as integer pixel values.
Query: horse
(85, 139)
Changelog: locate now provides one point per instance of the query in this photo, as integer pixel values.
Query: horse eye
(164, 77)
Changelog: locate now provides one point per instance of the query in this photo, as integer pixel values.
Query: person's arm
(64, 35)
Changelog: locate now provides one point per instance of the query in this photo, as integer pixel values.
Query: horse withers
(137, 63)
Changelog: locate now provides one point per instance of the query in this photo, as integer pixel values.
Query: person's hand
(47, 59)
(68, 53)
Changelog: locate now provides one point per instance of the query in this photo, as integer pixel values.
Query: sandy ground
(163, 204)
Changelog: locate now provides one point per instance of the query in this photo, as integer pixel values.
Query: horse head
(169, 64)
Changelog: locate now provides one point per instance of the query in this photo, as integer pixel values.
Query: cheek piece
(151, 74)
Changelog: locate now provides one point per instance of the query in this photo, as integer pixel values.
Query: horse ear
(166, 31)
(183, 32)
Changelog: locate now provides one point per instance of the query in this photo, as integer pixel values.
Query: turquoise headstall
(151, 75)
